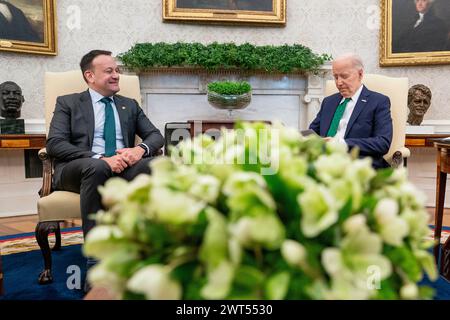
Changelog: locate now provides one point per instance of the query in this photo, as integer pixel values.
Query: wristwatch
(143, 146)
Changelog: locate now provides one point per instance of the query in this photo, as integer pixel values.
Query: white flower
(330, 167)
(293, 252)
(350, 264)
(174, 207)
(319, 210)
(114, 191)
(100, 276)
(264, 230)
(409, 291)
(155, 283)
(393, 229)
(102, 241)
(219, 282)
(354, 223)
(206, 187)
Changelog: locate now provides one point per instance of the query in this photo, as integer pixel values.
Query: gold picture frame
(260, 12)
(30, 26)
(404, 41)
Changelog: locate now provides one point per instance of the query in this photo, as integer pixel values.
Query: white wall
(326, 26)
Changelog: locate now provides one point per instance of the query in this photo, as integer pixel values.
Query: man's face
(103, 77)
(422, 5)
(419, 104)
(346, 77)
(12, 100)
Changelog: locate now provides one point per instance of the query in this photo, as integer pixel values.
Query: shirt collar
(95, 96)
(355, 97)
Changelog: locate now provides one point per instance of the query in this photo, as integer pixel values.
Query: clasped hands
(124, 158)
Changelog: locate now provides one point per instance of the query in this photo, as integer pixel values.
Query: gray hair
(355, 59)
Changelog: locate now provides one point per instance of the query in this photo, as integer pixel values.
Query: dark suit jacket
(19, 28)
(430, 35)
(72, 128)
(369, 127)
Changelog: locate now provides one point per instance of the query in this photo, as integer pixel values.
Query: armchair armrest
(47, 168)
(399, 156)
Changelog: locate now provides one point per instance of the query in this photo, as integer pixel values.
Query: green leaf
(249, 277)
(277, 286)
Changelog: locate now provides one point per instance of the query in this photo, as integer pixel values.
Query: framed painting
(28, 26)
(262, 12)
(414, 32)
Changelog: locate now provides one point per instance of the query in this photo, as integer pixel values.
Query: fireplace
(179, 94)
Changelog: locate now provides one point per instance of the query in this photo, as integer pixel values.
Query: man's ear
(89, 76)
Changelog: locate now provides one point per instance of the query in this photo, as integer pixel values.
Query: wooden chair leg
(57, 245)
(43, 229)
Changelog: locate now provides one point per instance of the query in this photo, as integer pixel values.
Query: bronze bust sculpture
(11, 100)
(419, 100)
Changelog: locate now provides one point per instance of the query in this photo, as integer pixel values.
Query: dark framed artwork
(414, 32)
(263, 12)
(28, 26)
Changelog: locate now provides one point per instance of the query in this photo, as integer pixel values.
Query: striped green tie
(337, 117)
(109, 130)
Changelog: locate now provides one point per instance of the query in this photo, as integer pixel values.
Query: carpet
(22, 262)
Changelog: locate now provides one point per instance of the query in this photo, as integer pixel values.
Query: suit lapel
(122, 110)
(88, 114)
(328, 116)
(360, 104)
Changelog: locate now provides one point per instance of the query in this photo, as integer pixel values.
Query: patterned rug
(25, 242)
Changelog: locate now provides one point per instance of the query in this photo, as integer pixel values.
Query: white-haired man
(424, 33)
(355, 115)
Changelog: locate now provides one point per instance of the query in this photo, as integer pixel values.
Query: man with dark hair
(419, 101)
(14, 25)
(92, 136)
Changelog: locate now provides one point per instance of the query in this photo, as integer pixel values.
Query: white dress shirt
(4, 10)
(419, 21)
(347, 114)
(98, 144)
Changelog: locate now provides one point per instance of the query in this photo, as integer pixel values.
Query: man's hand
(117, 163)
(131, 155)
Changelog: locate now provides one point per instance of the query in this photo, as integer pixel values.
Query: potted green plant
(229, 95)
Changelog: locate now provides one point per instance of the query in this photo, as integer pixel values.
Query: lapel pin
(363, 100)
(123, 107)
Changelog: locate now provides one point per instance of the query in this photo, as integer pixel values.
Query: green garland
(277, 59)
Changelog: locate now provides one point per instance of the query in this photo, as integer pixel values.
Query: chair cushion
(58, 206)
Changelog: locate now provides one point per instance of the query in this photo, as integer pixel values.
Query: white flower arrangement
(262, 213)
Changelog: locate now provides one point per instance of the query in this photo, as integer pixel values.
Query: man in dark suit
(425, 33)
(92, 135)
(356, 116)
(14, 25)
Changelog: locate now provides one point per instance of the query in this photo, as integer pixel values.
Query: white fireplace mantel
(179, 94)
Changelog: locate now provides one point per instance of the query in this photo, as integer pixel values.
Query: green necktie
(337, 117)
(109, 130)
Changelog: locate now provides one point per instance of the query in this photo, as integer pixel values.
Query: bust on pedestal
(11, 100)
(419, 101)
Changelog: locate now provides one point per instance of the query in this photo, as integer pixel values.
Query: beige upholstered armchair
(57, 206)
(397, 91)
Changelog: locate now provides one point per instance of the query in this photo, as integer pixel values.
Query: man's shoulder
(374, 94)
(74, 97)
(125, 99)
